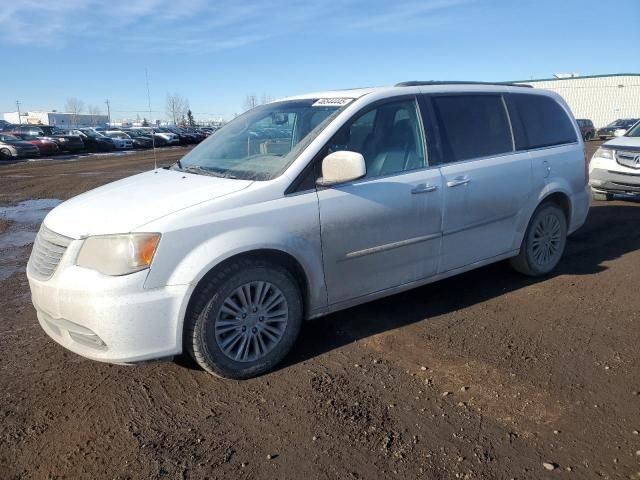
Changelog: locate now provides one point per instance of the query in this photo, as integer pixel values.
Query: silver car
(307, 206)
(14, 147)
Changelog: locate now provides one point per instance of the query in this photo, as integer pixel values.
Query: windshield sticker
(332, 102)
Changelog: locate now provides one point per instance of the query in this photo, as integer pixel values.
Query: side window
(545, 122)
(389, 137)
(472, 126)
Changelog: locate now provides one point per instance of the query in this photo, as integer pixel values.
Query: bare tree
(177, 107)
(266, 99)
(94, 111)
(74, 106)
(251, 101)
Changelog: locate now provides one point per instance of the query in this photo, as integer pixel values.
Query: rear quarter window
(544, 121)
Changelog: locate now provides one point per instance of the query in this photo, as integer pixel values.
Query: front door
(383, 230)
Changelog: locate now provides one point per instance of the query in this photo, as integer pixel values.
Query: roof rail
(415, 83)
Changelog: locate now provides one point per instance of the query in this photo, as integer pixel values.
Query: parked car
(160, 140)
(46, 146)
(139, 141)
(121, 140)
(94, 141)
(171, 138)
(617, 128)
(66, 142)
(615, 167)
(14, 147)
(184, 138)
(587, 129)
(118, 143)
(198, 134)
(378, 190)
(207, 130)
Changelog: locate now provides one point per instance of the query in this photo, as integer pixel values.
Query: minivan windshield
(262, 143)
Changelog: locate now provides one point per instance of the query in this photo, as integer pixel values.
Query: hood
(625, 143)
(122, 206)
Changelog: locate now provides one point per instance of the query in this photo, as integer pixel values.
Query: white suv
(303, 207)
(615, 167)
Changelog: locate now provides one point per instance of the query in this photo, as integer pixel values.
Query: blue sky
(215, 53)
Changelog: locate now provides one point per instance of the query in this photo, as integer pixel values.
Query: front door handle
(424, 188)
(462, 180)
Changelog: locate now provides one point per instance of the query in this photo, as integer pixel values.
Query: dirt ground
(486, 375)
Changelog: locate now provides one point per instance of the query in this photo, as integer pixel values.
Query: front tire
(544, 242)
(244, 320)
(5, 154)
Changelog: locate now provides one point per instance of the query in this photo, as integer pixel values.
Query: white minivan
(306, 206)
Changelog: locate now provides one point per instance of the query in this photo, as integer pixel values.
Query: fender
(189, 270)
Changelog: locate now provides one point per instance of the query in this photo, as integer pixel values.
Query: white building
(59, 119)
(600, 98)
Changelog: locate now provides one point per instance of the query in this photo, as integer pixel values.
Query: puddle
(29, 211)
(16, 238)
(7, 270)
(24, 220)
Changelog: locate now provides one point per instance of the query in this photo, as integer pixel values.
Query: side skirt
(407, 286)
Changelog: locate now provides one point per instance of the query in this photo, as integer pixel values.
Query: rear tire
(544, 242)
(244, 320)
(5, 154)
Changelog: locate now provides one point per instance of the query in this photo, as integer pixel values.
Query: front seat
(396, 152)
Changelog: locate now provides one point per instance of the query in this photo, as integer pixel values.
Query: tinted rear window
(472, 126)
(545, 122)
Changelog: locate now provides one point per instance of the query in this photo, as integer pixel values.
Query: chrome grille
(48, 249)
(628, 158)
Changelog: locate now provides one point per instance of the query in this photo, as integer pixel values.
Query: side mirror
(341, 167)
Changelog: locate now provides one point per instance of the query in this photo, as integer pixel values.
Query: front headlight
(604, 153)
(118, 254)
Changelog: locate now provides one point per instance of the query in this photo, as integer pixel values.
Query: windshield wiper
(197, 169)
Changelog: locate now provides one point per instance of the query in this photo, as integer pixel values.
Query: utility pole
(18, 107)
(108, 111)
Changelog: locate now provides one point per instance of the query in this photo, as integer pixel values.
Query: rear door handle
(462, 180)
(424, 188)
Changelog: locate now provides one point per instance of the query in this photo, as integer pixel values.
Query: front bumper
(605, 134)
(110, 319)
(614, 182)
